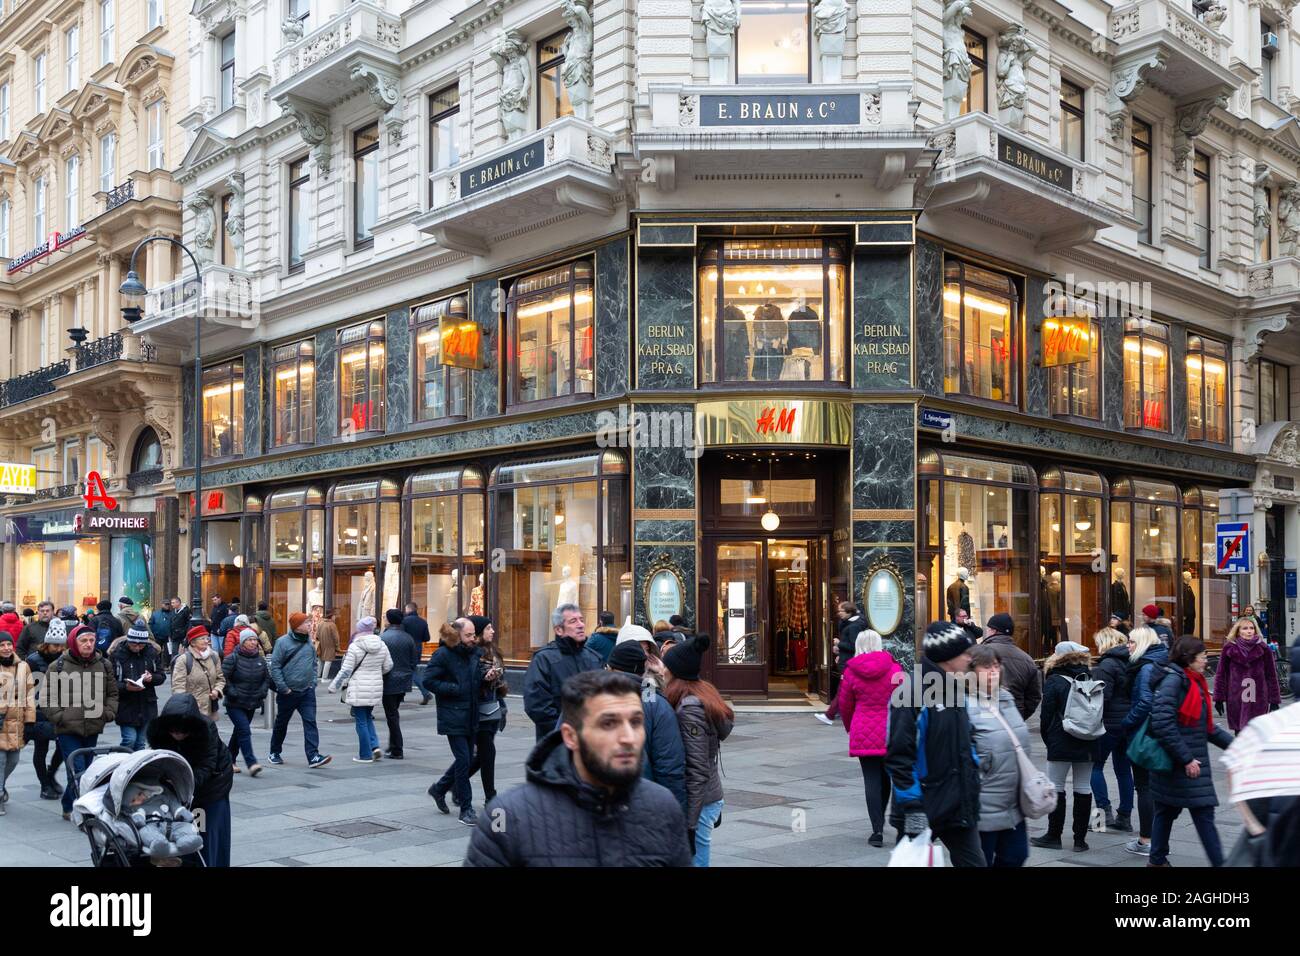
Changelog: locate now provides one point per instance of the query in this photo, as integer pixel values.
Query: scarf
(201, 655)
(1196, 702)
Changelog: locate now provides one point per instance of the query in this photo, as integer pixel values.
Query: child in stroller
(133, 807)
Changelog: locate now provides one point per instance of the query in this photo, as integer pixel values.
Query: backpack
(1082, 717)
(103, 637)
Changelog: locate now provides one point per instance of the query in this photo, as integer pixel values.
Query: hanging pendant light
(770, 520)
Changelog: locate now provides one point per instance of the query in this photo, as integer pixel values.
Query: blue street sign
(932, 419)
(1290, 583)
(1232, 547)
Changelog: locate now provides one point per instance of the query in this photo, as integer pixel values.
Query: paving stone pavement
(793, 798)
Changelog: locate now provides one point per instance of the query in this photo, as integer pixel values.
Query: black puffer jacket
(248, 678)
(550, 667)
(406, 657)
(702, 741)
(135, 708)
(203, 748)
(1184, 743)
(846, 647)
(558, 820)
(453, 677)
(1112, 667)
(1056, 689)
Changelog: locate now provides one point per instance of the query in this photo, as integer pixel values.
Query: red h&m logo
(768, 421)
(97, 493)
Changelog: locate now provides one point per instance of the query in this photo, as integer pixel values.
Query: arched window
(147, 454)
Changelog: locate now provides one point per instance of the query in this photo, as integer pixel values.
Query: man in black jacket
(851, 625)
(104, 620)
(180, 626)
(406, 656)
(414, 625)
(180, 727)
(1020, 675)
(585, 802)
(553, 664)
(931, 761)
(33, 632)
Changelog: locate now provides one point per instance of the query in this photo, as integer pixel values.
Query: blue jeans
(456, 779)
(216, 833)
(242, 740)
(367, 738)
(1114, 746)
(1006, 847)
(709, 815)
(304, 702)
(1163, 825)
(67, 744)
(133, 738)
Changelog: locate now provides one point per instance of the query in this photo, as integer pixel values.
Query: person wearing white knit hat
(654, 662)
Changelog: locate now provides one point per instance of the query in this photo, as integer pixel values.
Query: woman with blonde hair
(1146, 652)
(1112, 667)
(1246, 683)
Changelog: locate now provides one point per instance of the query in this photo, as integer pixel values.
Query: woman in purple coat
(1246, 684)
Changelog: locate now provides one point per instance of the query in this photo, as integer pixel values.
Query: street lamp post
(134, 290)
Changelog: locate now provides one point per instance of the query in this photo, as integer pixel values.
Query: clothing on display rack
(790, 620)
(966, 550)
(770, 348)
(735, 343)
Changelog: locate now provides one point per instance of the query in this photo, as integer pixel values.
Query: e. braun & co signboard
(56, 241)
(780, 109)
(1034, 163)
(502, 168)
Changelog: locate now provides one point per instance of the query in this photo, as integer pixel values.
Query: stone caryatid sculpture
(1262, 214)
(956, 61)
(205, 226)
(1288, 220)
(510, 50)
(720, 18)
(577, 69)
(1015, 48)
(235, 215)
(830, 23)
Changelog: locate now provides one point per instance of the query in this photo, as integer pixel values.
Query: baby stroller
(134, 808)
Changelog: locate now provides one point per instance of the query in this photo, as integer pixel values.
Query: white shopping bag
(918, 851)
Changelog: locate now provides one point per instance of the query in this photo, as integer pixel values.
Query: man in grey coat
(406, 657)
(1020, 675)
(293, 675)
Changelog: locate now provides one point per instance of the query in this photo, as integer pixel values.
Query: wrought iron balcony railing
(98, 352)
(61, 491)
(32, 384)
(144, 479)
(119, 195)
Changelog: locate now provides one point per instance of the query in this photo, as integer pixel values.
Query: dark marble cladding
(659, 529)
(399, 370)
(652, 235)
(884, 456)
(928, 338)
(664, 477)
(1112, 372)
(900, 531)
(1178, 395)
(899, 232)
(612, 318)
(642, 557)
(399, 453)
(254, 424)
(881, 297)
(485, 384)
(327, 396)
(902, 643)
(1117, 452)
(187, 416)
(665, 296)
(1036, 381)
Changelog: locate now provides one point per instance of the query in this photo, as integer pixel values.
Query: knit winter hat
(296, 620)
(1070, 647)
(684, 659)
(1152, 611)
(627, 657)
(57, 633)
(138, 634)
(632, 632)
(247, 634)
(198, 630)
(366, 625)
(480, 622)
(68, 612)
(6, 638)
(1002, 623)
(945, 640)
(242, 619)
(104, 606)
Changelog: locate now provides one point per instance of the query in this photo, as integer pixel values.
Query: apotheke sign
(56, 241)
(113, 522)
(1034, 163)
(503, 168)
(780, 109)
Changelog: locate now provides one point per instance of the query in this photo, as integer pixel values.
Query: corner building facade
(1019, 326)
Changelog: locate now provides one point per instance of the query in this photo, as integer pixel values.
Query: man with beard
(585, 802)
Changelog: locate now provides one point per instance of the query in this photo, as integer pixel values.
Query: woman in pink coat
(1246, 684)
(869, 679)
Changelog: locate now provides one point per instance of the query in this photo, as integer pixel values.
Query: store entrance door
(766, 613)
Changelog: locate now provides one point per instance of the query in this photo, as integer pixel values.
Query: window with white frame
(227, 83)
(105, 32)
(72, 461)
(38, 82)
(71, 58)
(155, 13)
(107, 160)
(71, 191)
(43, 462)
(155, 114)
(4, 228)
(38, 209)
(1072, 143)
(4, 110)
(300, 10)
(96, 457)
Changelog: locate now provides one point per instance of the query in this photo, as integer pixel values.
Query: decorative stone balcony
(710, 130)
(225, 299)
(1275, 279)
(1006, 178)
(566, 166)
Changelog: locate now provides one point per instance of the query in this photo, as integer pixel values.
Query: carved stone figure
(291, 29)
(720, 18)
(1015, 48)
(956, 61)
(381, 86)
(1262, 215)
(577, 69)
(1288, 220)
(830, 22)
(235, 217)
(510, 51)
(205, 228)
(1214, 15)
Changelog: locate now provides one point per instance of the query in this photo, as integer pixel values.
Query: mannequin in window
(1120, 603)
(366, 606)
(568, 590)
(805, 345)
(476, 599)
(1054, 607)
(1189, 605)
(735, 345)
(770, 342)
(453, 596)
(959, 594)
(1045, 609)
(316, 596)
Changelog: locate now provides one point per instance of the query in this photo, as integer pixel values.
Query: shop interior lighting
(558, 304)
(976, 302)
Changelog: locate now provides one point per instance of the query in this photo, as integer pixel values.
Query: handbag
(1037, 792)
(918, 851)
(343, 687)
(1147, 752)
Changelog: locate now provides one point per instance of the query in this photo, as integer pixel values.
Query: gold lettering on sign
(676, 348)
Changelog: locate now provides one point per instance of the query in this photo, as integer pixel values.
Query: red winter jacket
(869, 680)
(11, 622)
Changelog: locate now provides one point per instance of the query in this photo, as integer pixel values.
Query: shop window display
(445, 521)
(1072, 583)
(223, 410)
(773, 43)
(1144, 527)
(295, 522)
(361, 379)
(1076, 389)
(549, 519)
(223, 558)
(1207, 390)
(131, 568)
(441, 391)
(551, 333)
(981, 310)
(772, 310)
(366, 559)
(295, 394)
(1205, 596)
(978, 521)
(1146, 375)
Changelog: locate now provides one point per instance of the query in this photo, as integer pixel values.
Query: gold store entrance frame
(897, 594)
(774, 422)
